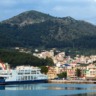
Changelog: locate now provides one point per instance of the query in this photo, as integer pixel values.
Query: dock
(73, 81)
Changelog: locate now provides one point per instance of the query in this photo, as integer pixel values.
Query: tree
(63, 75)
(44, 69)
(15, 58)
(49, 61)
(78, 72)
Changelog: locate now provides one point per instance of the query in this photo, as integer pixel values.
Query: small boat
(22, 75)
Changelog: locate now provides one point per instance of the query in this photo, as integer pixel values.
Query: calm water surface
(48, 89)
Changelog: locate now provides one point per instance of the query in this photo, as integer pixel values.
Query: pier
(73, 81)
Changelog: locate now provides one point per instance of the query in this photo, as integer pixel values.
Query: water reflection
(2, 87)
(86, 94)
(49, 90)
(65, 88)
(40, 87)
(22, 87)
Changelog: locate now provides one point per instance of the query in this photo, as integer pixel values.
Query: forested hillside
(35, 29)
(15, 58)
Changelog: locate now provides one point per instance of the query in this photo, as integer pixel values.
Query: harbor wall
(72, 81)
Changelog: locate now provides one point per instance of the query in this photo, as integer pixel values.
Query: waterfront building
(91, 71)
(71, 72)
(52, 72)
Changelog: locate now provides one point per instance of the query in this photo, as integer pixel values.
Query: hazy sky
(78, 9)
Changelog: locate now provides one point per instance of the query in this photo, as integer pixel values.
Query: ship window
(38, 72)
(25, 78)
(28, 77)
(21, 78)
(20, 73)
(10, 73)
(5, 74)
(32, 77)
(33, 72)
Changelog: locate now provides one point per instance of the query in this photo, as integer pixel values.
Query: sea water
(48, 89)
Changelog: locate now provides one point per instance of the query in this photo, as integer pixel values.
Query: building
(91, 71)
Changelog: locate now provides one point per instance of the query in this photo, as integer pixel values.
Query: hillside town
(63, 63)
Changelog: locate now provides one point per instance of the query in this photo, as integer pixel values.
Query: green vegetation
(78, 72)
(46, 31)
(49, 61)
(44, 69)
(16, 59)
(28, 17)
(63, 75)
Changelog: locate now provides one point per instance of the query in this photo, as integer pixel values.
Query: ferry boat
(22, 75)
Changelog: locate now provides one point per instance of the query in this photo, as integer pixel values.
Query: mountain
(29, 17)
(36, 29)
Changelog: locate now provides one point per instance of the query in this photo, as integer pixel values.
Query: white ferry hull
(23, 82)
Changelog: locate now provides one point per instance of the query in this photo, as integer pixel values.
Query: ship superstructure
(23, 74)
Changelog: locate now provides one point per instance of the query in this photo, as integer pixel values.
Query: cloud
(76, 8)
(11, 3)
(7, 3)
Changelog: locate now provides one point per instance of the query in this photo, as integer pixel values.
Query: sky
(78, 9)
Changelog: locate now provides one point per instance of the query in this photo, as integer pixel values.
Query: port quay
(73, 81)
